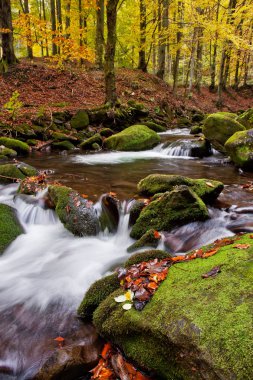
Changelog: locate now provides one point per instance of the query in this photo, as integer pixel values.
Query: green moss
(196, 129)
(27, 170)
(134, 138)
(246, 118)
(3, 158)
(60, 197)
(10, 228)
(147, 240)
(95, 139)
(64, 145)
(18, 146)
(177, 207)
(32, 142)
(218, 128)
(8, 152)
(63, 137)
(191, 321)
(12, 172)
(80, 120)
(146, 256)
(208, 190)
(240, 148)
(98, 292)
(154, 126)
(106, 132)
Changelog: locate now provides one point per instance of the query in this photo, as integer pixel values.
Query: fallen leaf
(212, 273)
(241, 246)
(210, 253)
(157, 235)
(209, 184)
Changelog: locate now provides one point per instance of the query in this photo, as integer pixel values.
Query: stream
(45, 272)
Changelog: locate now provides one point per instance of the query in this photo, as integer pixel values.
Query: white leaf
(121, 298)
(127, 306)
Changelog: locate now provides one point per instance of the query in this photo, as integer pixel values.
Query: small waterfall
(179, 148)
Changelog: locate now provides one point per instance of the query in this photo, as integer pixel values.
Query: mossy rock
(208, 190)
(150, 254)
(97, 292)
(3, 159)
(106, 132)
(135, 211)
(10, 173)
(147, 240)
(197, 117)
(88, 144)
(19, 146)
(154, 126)
(175, 208)
(134, 138)
(32, 142)
(7, 152)
(196, 129)
(63, 145)
(10, 227)
(76, 213)
(218, 128)
(246, 118)
(193, 328)
(58, 137)
(240, 148)
(231, 115)
(80, 120)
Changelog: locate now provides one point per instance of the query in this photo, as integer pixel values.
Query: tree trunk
(179, 37)
(198, 72)
(59, 21)
(29, 33)
(67, 18)
(110, 82)
(53, 27)
(214, 58)
(143, 23)
(100, 33)
(45, 19)
(163, 26)
(8, 55)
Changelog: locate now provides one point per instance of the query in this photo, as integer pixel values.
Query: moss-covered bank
(193, 328)
(10, 228)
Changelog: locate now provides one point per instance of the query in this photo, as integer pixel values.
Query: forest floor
(45, 88)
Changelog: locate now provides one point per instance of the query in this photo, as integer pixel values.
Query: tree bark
(100, 33)
(53, 26)
(29, 33)
(178, 52)
(143, 24)
(109, 69)
(8, 55)
(67, 18)
(45, 19)
(163, 26)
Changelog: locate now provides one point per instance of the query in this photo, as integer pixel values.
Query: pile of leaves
(34, 184)
(113, 366)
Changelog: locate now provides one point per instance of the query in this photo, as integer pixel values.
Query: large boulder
(77, 214)
(19, 146)
(18, 171)
(246, 118)
(134, 138)
(193, 328)
(175, 208)
(208, 190)
(240, 148)
(218, 128)
(10, 227)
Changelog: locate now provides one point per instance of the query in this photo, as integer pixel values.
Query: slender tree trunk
(45, 19)
(214, 58)
(190, 71)
(53, 23)
(178, 52)
(8, 55)
(110, 82)
(100, 33)
(247, 58)
(29, 33)
(59, 21)
(163, 26)
(198, 72)
(67, 18)
(143, 24)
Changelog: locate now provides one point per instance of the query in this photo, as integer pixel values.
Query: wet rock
(240, 148)
(246, 118)
(77, 214)
(110, 213)
(150, 254)
(11, 172)
(80, 120)
(175, 208)
(88, 144)
(197, 147)
(63, 145)
(10, 153)
(19, 146)
(218, 128)
(10, 228)
(208, 190)
(134, 138)
(196, 129)
(154, 126)
(135, 211)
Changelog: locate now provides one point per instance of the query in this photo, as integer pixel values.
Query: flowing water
(45, 271)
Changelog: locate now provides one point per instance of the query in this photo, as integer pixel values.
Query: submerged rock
(134, 138)
(77, 214)
(173, 208)
(109, 217)
(10, 228)
(193, 328)
(240, 148)
(208, 190)
(218, 128)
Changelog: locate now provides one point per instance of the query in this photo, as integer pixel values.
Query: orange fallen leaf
(157, 235)
(210, 253)
(241, 246)
(84, 196)
(152, 286)
(112, 194)
(178, 258)
(107, 348)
